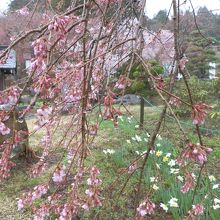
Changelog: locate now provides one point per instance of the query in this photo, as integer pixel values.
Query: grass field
(127, 142)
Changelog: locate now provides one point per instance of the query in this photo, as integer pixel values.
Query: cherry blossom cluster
(109, 111)
(93, 182)
(59, 174)
(197, 210)
(41, 165)
(132, 167)
(43, 116)
(59, 25)
(183, 62)
(189, 182)
(74, 96)
(194, 152)
(159, 82)
(107, 1)
(199, 113)
(5, 164)
(40, 52)
(10, 96)
(146, 208)
(174, 101)
(39, 168)
(42, 212)
(23, 11)
(122, 82)
(37, 193)
(43, 85)
(3, 129)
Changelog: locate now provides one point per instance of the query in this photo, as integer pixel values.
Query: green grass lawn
(128, 142)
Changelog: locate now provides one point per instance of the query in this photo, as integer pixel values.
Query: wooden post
(141, 113)
(2, 81)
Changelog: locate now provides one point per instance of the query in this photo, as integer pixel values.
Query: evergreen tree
(200, 53)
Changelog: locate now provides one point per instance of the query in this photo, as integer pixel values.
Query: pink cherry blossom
(3, 129)
(29, 197)
(24, 11)
(197, 210)
(183, 63)
(199, 113)
(146, 207)
(194, 152)
(58, 175)
(189, 183)
(175, 101)
(122, 82)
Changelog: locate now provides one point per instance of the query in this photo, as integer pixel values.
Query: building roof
(11, 59)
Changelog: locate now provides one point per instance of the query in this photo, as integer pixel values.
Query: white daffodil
(120, 117)
(128, 141)
(158, 166)
(180, 178)
(212, 178)
(105, 151)
(133, 138)
(148, 135)
(152, 179)
(152, 151)
(215, 186)
(155, 187)
(173, 202)
(144, 152)
(217, 206)
(108, 151)
(111, 151)
(172, 163)
(136, 126)
(138, 138)
(216, 201)
(158, 144)
(164, 207)
(137, 152)
(174, 171)
(168, 154)
(159, 137)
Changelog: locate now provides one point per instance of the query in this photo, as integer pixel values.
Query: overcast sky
(153, 6)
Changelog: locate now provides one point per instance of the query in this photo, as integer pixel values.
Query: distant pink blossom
(159, 82)
(24, 11)
(183, 62)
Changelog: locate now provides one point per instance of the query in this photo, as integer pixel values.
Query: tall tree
(200, 53)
